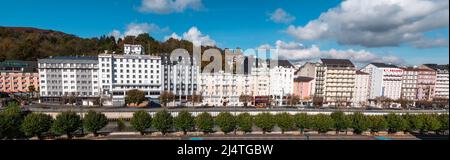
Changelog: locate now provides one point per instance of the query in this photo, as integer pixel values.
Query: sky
(407, 32)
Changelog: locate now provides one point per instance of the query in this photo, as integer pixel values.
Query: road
(255, 137)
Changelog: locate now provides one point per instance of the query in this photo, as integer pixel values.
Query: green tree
(10, 120)
(443, 118)
(323, 123)
(135, 96)
(431, 123)
(67, 123)
(395, 123)
(36, 124)
(360, 123)
(265, 121)
(166, 97)
(341, 121)
(163, 121)
(94, 121)
(226, 121)
(377, 124)
(205, 122)
(141, 121)
(184, 121)
(284, 121)
(302, 122)
(245, 122)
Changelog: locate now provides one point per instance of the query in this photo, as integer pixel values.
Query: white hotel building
(442, 80)
(385, 80)
(62, 78)
(121, 73)
(180, 76)
(361, 92)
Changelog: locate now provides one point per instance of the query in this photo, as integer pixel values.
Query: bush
(396, 123)
(245, 122)
(36, 124)
(163, 121)
(67, 123)
(284, 121)
(323, 123)
(377, 124)
(141, 121)
(94, 121)
(341, 121)
(265, 121)
(184, 121)
(226, 122)
(205, 122)
(303, 121)
(360, 123)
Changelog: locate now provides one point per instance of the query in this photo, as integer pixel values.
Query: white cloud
(195, 36)
(169, 6)
(376, 23)
(431, 43)
(134, 29)
(281, 16)
(173, 35)
(116, 34)
(299, 53)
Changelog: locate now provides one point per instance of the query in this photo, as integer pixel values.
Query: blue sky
(242, 23)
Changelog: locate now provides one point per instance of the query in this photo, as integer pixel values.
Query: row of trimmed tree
(16, 124)
(337, 121)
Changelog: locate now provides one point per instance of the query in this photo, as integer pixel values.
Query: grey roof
(384, 65)
(303, 79)
(437, 67)
(18, 66)
(70, 59)
(345, 62)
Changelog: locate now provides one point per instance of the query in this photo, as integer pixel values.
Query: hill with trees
(20, 43)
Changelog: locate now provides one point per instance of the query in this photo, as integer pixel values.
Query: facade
(335, 82)
(133, 49)
(409, 84)
(303, 87)
(281, 81)
(260, 74)
(224, 89)
(18, 76)
(361, 94)
(121, 73)
(442, 79)
(63, 78)
(385, 80)
(180, 76)
(426, 82)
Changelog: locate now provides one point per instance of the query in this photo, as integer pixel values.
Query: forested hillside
(18, 43)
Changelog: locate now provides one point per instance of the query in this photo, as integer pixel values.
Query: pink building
(426, 82)
(18, 76)
(303, 87)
